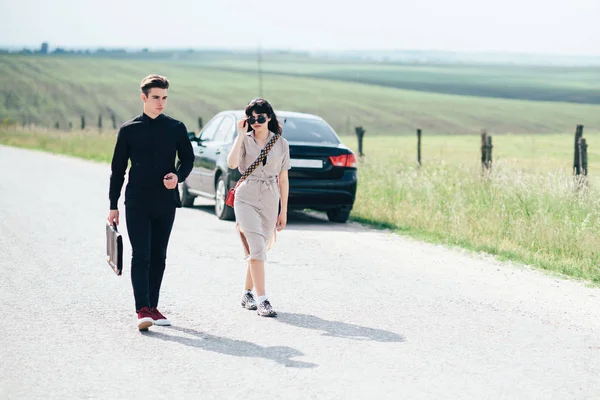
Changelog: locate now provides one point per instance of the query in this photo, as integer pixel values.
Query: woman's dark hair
(261, 106)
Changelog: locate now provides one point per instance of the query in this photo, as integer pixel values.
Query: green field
(546, 83)
(503, 79)
(50, 90)
(527, 210)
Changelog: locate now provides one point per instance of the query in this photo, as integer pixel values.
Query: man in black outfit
(150, 141)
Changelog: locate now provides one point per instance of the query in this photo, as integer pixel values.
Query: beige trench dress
(256, 203)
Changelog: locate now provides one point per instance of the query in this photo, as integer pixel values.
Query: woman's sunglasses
(261, 119)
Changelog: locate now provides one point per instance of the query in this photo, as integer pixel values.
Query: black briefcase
(114, 248)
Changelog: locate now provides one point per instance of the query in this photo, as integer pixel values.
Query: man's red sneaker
(145, 319)
(158, 318)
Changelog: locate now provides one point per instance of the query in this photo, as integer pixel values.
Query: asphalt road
(363, 313)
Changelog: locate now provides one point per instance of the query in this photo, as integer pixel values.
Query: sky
(508, 26)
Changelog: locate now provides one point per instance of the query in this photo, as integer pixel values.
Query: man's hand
(113, 216)
(281, 221)
(170, 180)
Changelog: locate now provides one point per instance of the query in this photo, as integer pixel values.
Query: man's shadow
(238, 348)
(338, 329)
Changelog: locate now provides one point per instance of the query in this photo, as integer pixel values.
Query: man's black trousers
(149, 229)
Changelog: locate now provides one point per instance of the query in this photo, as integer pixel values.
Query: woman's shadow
(339, 329)
(238, 348)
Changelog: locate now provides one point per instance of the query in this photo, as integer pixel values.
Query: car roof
(279, 113)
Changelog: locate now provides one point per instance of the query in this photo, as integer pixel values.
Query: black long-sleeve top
(151, 145)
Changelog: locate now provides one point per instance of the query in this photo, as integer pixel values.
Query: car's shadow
(297, 220)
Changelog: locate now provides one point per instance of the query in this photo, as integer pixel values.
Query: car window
(208, 133)
(225, 130)
(308, 130)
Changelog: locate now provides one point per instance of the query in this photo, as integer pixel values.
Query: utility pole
(260, 81)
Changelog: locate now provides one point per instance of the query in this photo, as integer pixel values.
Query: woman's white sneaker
(264, 309)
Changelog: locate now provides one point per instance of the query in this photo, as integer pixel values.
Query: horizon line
(5, 46)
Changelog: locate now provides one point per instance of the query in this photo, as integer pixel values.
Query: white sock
(247, 291)
(260, 299)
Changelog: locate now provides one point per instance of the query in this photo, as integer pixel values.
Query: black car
(323, 175)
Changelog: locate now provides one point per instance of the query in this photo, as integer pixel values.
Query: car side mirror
(193, 138)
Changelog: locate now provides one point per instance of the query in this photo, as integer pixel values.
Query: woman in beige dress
(258, 198)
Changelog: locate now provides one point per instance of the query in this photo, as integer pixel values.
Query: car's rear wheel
(187, 200)
(222, 210)
(340, 215)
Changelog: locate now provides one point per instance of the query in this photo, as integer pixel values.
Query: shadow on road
(239, 348)
(338, 329)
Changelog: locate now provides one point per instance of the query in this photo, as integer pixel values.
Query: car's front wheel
(187, 200)
(340, 215)
(222, 210)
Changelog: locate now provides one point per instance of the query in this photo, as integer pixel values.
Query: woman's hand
(243, 126)
(281, 221)
(233, 158)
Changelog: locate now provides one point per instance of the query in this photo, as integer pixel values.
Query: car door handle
(218, 151)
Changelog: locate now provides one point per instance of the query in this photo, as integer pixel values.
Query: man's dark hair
(154, 81)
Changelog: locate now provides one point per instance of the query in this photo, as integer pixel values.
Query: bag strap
(261, 157)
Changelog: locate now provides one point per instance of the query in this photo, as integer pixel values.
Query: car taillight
(345, 160)
(351, 161)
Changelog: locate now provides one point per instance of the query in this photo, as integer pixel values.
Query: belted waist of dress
(272, 179)
(267, 184)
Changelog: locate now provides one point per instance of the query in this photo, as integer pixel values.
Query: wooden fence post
(577, 153)
(584, 160)
(489, 151)
(113, 117)
(360, 132)
(483, 150)
(82, 122)
(419, 148)
(580, 161)
(200, 124)
(486, 152)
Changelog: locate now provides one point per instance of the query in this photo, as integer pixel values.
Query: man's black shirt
(151, 145)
